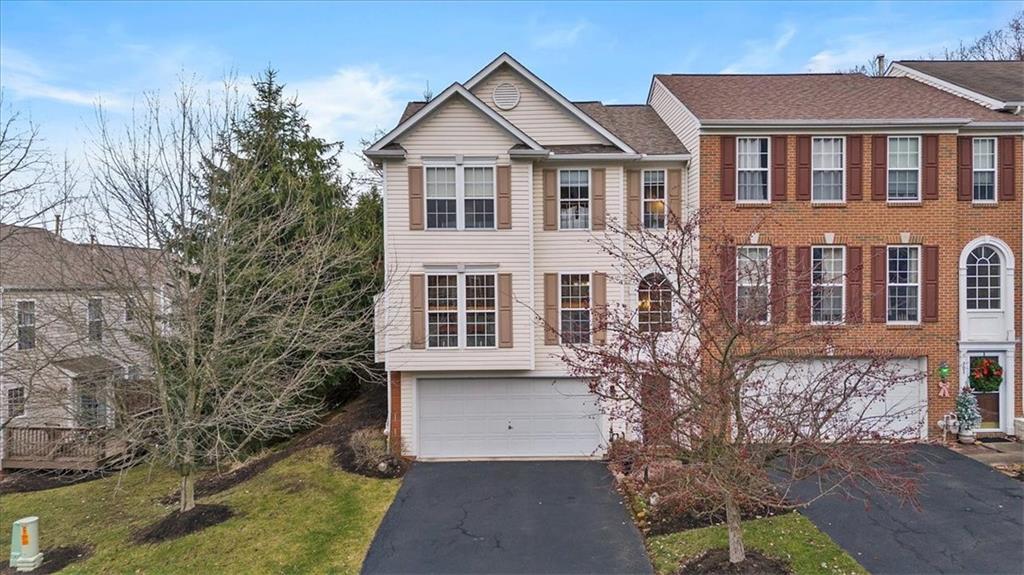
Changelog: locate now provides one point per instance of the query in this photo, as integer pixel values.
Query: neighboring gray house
(65, 349)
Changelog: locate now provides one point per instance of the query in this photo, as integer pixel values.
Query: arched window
(655, 303)
(984, 273)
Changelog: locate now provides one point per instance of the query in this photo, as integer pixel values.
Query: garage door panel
(525, 417)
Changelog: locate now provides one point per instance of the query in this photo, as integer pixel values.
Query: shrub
(370, 448)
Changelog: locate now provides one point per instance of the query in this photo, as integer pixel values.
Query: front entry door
(987, 378)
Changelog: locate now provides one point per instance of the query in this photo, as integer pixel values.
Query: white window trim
(590, 198)
(644, 201)
(842, 169)
(842, 318)
(7, 403)
(590, 299)
(460, 313)
(768, 171)
(17, 323)
(89, 320)
(919, 284)
(995, 170)
(736, 265)
(920, 159)
(460, 194)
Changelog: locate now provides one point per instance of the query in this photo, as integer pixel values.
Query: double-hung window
(828, 284)
(984, 176)
(443, 310)
(655, 200)
(26, 324)
(15, 402)
(461, 310)
(904, 177)
(752, 169)
(459, 197)
(827, 170)
(573, 199)
(574, 307)
(903, 284)
(94, 319)
(753, 281)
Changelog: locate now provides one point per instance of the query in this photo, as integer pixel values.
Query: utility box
(25, 555)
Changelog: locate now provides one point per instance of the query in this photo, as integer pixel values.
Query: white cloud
(853, 50)
(563, 37)
(351, 104)
(26, 78)
(762, 55)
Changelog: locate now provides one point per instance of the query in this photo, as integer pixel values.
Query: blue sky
(354, 65)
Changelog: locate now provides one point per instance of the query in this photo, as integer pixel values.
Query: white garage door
(516, 417)
(903, 411)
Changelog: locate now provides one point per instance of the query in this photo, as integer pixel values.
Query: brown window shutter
(1006, 179)
(854, 284)
(675, 195)
(780, 147)
(415, 197)
(600, 307)
(550, 309)
(504, 207)
(803, 284)
(504, 310)
(633, 199)
(854, 168)
(728, 152)
(930, 160)
(727, 269)
(879, 163)
(780, 265)
(878, 273)
(964, 168)
(550, 199)
(417, 315)
(597, 199)
(803, 168)
(930, 270)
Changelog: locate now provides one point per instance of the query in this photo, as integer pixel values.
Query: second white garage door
(514, 417)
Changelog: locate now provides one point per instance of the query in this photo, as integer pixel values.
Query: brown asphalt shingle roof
(410, 109)
(636, 124)
(999, 79)
(819, 97)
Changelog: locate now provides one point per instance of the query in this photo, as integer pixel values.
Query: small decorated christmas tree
(968, 415)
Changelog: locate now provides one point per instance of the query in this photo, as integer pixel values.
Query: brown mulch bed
(716, 561)
(54, 559)
(368, 410)
(661, 522)
(26, 480)
(179, 524)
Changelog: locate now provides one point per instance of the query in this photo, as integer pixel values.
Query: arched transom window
(984, 273)
(655, 303)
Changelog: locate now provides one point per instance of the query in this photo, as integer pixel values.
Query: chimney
(880, 65)
(92, 239)
(56, 224)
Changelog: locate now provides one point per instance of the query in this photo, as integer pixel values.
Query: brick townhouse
(495, 189)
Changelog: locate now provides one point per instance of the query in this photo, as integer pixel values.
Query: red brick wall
(946, 222)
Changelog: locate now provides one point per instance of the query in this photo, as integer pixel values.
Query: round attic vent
(506, 96)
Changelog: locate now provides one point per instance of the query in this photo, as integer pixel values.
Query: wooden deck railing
(54, 444)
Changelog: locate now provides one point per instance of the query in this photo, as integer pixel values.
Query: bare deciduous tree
(735, 405)
(1006, 43)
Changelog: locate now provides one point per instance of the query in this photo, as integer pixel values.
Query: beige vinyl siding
(686, 127)
(538, 115)
(456, 129)
(572, 251)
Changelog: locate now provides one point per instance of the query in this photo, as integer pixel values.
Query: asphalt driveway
(971, 521)
(507, 517)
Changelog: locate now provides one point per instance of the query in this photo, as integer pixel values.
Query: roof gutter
(732, 123)
(384, 154)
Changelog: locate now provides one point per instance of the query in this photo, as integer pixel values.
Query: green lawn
(790, 537)
(302, 515)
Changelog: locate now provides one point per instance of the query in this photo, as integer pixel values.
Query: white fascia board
(814, 123)
(1008, 127)
(598, 156)
(505, 58)
(897, 69)
(666, 157)
(449, 92)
